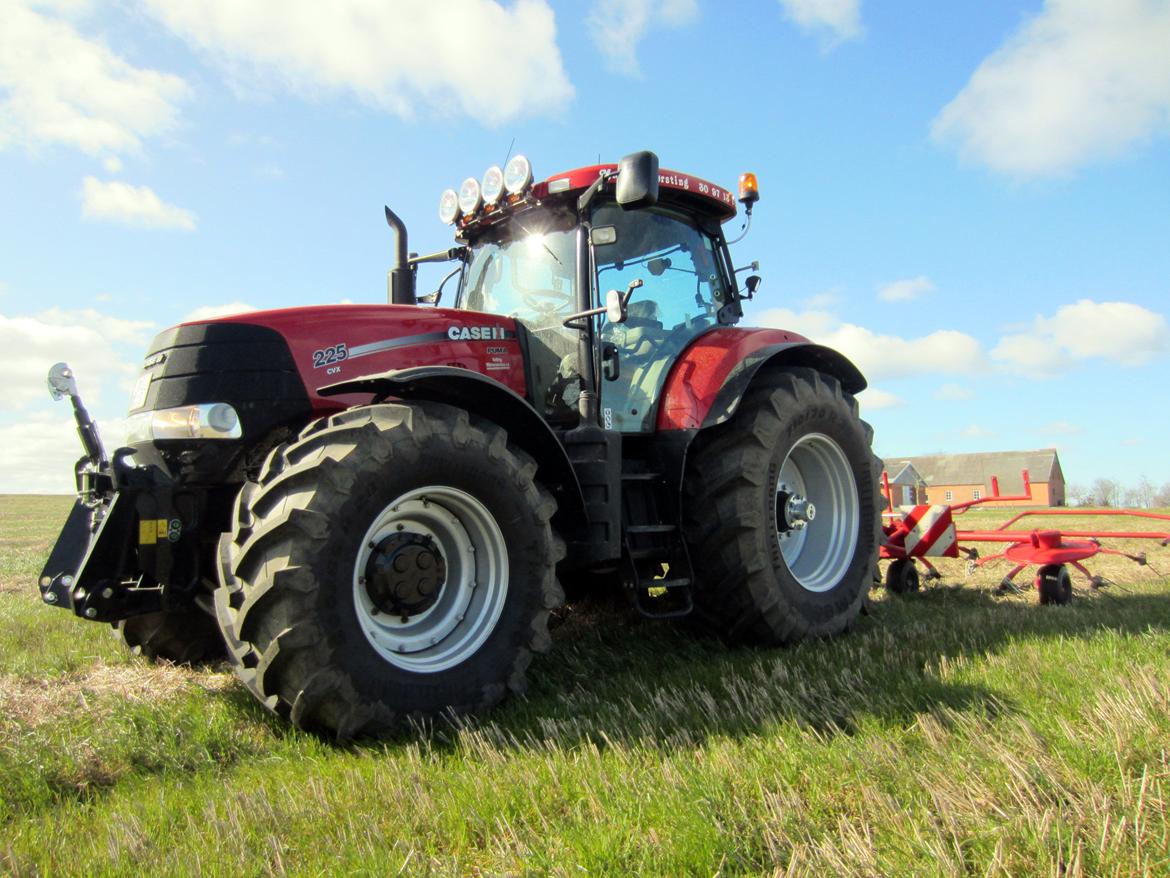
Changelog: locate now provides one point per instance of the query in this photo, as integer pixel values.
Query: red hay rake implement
(916, 533)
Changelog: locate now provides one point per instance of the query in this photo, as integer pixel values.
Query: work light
(493, 184)
(517, 175)
(448, 206)
(470, 198)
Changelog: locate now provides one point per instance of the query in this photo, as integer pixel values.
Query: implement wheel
(394, 561)
(782, 513)
(902, 576)
(1054, 584)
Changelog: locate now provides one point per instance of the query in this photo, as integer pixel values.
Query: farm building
(956, 478)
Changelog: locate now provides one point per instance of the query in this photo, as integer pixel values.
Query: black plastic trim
(491, 400)
(815, 356)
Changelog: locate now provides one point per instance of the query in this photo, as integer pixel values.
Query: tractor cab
(555, 253)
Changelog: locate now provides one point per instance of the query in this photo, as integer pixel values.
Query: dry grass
(30, 702)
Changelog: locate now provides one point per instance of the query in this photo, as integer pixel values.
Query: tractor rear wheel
(395, 561)
(185, 637)
(782, 513)
(1054, 584)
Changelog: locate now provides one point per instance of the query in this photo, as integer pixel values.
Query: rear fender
(711, 376)
(486, 398)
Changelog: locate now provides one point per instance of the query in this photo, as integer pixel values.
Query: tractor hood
(295, 351)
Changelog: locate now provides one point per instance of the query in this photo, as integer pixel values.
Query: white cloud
(37, 453)
(1081, 81)
(840, 18)
(975, 431)
(618, 26)
(1063, 428)
(954, 393)
(907, 289)
(821, 301)
(1120, 332)
(118, 202)
(943, 352)
(871, 398)
(492, 62)
(112, 164)
(57, 86)
(97, 346)
(210, 312)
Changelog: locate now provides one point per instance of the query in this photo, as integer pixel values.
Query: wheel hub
(817, 541)
(793, 511)
(405, 574)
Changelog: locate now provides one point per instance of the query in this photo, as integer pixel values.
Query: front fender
(488, 399)
(707, 382)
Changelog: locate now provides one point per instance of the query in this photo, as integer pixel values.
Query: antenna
(509, 155)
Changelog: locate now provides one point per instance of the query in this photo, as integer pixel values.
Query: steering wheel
(547, 302)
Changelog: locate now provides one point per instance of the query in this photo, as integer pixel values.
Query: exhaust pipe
(401, 280)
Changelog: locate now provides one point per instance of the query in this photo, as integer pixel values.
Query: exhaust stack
(401, 279)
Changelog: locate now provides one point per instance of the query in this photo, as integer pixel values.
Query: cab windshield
(524, 271)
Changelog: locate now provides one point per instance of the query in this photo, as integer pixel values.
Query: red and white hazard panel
(927, 531)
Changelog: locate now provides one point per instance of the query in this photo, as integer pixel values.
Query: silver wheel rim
(818, 545)
(470, 597)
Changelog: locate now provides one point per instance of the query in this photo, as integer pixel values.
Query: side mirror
(431, 298)
(752, 284)
(61, 381)
(637, 182)
(657, 267)
(615, 307)
(603, 236)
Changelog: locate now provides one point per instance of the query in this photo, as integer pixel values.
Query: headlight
(214, 420)
(469, 196)
(493, 184)
(448, 206)
(517, 175)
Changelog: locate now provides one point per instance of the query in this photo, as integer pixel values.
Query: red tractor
(371, 508)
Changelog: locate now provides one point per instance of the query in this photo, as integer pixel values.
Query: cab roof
(696, 193)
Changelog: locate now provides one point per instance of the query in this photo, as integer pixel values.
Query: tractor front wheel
(185, 637)
(395, 561)
(782, 513)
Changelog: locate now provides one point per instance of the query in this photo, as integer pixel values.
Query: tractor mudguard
(707, 382)
(487, 398)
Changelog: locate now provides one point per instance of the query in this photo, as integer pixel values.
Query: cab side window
(679, 299)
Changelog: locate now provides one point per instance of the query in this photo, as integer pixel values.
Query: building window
(977, 494)
(948, 496)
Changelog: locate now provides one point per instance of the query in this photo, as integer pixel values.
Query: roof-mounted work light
(470, 197)
(517, 175)
(493, 184)
(448, 206)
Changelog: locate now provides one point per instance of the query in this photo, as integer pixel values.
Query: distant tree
(1077, 494)
(1105, 492)
(1162, 497)
(1141, 495)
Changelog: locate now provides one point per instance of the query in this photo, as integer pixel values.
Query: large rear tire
(783, 513)
(395, 561)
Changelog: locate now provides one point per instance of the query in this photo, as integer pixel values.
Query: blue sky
(971, 200)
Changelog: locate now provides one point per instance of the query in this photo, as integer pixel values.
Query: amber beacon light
(749, 190)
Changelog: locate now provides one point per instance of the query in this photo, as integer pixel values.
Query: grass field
(953, 733)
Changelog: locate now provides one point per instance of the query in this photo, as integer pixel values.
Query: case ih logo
(476, 333)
